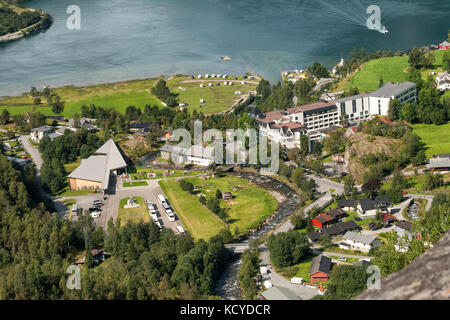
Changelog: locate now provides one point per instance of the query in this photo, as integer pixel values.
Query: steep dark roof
(366, 204)
(405, 225)
(314, 236)
(324, 218)
(443, 155)
(341, 228)
(335, 212)
(140, 125)
(346, 203)
(320, 264)
(382, 201)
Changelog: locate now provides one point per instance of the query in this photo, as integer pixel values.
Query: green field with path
(249, 207)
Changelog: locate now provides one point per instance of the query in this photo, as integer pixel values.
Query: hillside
(393, 69)
(361, 146)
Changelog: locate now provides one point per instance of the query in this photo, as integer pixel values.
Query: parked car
(372, 224)
(97, 203)
(342, 259)
(94, 209)
(376, 228)
(95, 214)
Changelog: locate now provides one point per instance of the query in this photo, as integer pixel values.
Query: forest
(37, 247)
(11, 21)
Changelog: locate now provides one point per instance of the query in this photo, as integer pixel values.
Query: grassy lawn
(349, 260)
(217, 98)
(336, 249)
(249, 206)
(392, 69)
(135, 184)
(200, 222)
(142, 173)
(69, 203)
(416, 182)
(72, 166)
(135, 214)
(436, 138)
(111, 95)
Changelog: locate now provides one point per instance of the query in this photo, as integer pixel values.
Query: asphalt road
(278, 280)
(149, 192)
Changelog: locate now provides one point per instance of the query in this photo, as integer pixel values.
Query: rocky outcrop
(427, 277)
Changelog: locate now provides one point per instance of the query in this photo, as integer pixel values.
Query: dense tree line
(247, 273)
(63, 150)
(288, 248)
(36, 248)
(36, 120)
(346, 282)
(430, 108)
(163, 93)
(11, 21)
(431, 227)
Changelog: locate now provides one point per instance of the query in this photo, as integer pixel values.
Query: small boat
(225, 58)
(384, 30)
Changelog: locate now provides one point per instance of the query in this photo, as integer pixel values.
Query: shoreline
(34, 28)
(108, 82)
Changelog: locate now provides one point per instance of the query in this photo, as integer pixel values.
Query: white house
(367, 208)
(379, 99)
(357, 241)
(443, 81)
(37, 134)
(196, 154)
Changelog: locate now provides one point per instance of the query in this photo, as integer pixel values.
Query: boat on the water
(225, 58)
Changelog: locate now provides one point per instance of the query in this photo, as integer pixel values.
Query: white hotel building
(286, 126)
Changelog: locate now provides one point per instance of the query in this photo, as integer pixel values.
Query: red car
(404, 192)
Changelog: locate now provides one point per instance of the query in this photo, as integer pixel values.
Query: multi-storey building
(379, 99)
(286, 126)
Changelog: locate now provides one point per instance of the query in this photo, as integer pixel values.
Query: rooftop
(98, 167)
(392, 89)
(320, 264)
(358, 237)
(279, 293)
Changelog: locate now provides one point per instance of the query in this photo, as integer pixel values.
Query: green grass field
(436, 138)
(200, 222)
(249, 206)
(135, 184)
(392, 69)
(217, 98)
(111, 95)
(135, 214)
(142, 173)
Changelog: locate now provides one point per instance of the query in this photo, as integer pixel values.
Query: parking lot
(150, 192)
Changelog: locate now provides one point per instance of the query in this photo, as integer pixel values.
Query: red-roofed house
(444, 45)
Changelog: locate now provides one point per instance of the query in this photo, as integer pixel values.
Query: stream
(227, 286)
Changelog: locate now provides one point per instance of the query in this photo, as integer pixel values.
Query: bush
(186, 186)
(288, 248)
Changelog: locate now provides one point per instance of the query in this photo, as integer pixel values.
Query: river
(227, 286)
(121, 39)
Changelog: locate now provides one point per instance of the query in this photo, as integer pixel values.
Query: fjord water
(128, 39)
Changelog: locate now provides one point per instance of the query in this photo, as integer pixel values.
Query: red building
(320, 269)
(323, 220)
(328, 218)
(444, 45)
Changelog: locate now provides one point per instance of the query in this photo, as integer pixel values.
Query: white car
(158, 224)
(95, 214)
(180, 229)
(154, 217)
